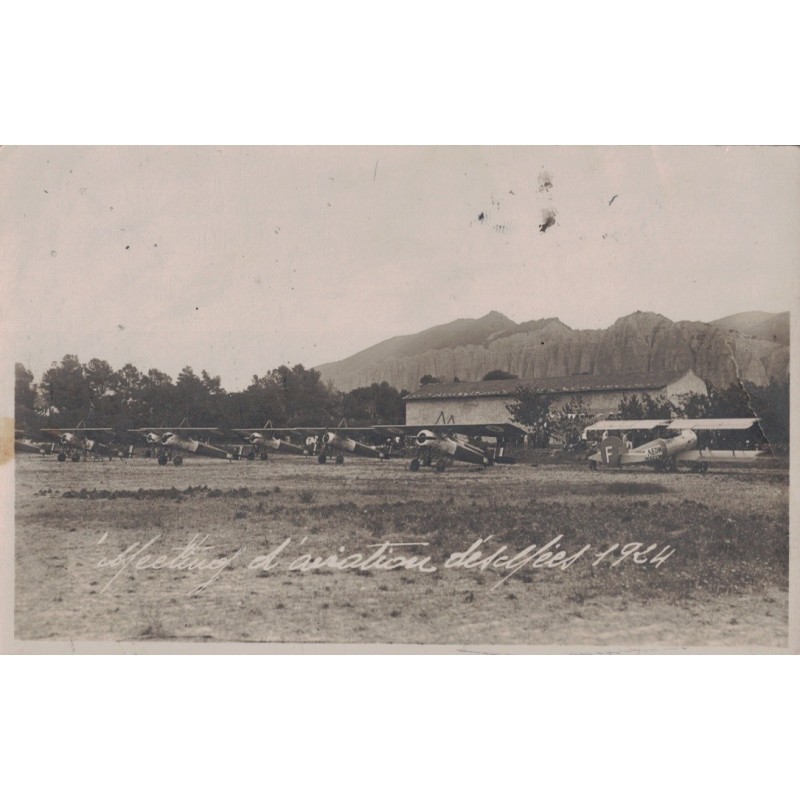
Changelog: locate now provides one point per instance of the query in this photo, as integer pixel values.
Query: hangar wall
(492, 408)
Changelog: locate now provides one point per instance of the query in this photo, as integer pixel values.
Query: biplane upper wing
(505, 430)
(58, 432)
(740, 424)
(626, 425)
(306, 430)
(174, 429)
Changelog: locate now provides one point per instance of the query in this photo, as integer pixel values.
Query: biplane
(442, 443)
(669, 443)
(169, 442)
(262, 440)
(79, 442)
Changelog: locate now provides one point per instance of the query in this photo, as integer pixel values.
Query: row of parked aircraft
(434, 445)
(669, 443)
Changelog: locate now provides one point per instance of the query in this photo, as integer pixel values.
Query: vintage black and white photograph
(453, 397)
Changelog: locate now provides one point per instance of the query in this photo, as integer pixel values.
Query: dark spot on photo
(549, 219)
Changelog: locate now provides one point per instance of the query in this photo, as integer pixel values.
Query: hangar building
(486, 401)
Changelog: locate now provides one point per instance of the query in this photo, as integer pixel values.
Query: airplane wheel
(62, 456)
(162, 460)
(322, 458)
(148, 453)
(264, 456)
(76, 457)
(340, 459)
(440, 465)
(177, 461)
(414, 465)
(251, 456)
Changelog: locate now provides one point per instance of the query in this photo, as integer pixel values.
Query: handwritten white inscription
(193, 557)
(481, 555)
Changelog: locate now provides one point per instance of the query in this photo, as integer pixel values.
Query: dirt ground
(117, 551)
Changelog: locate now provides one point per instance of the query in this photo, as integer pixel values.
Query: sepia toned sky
(236, 260)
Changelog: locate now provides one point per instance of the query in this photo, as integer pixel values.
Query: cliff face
(639, 342)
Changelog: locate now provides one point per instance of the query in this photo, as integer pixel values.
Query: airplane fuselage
(453, 448)
(663, 449)
(345, 444)
(189, 445)
(260, 441)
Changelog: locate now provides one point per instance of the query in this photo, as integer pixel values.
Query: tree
(631, 407)
(158, 397)
(101, 383)
(569, 422)
(67, 391)
(191, 395)
(24, 398)
(427, 380)
(131, 410)
(378, 404)
(771, 403)
(498, 375)
(658, 407)
(212, 385)
(696, 406)
(718, 403)
(306, 399)
(731, 402)
(530, 409)
(261, 402)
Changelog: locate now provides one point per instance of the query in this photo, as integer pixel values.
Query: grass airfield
(133, 551)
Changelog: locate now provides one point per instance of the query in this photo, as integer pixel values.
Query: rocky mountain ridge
(752, 347)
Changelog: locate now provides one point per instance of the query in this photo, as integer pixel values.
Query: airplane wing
(174, 429)
(720, 455)
(299, 431)
(741, 424)
(627, 425)
(57, 433)
(345, 431)
(505, 430)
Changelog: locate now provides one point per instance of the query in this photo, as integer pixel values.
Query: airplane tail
(611, 450)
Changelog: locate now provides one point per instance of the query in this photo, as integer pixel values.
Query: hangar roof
(627, 381)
